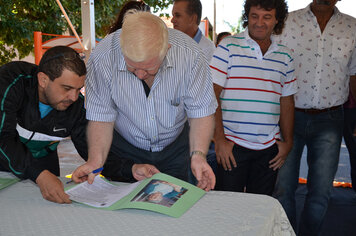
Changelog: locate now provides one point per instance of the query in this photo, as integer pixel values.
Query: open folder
(160, 193)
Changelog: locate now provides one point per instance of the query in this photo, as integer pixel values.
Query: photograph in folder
(160, 193)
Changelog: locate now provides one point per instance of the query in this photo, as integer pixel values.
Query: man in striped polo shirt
(254, 83)
(144, 81)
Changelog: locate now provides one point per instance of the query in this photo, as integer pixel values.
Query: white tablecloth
(23, 211)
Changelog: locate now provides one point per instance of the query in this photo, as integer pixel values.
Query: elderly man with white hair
(143, 83)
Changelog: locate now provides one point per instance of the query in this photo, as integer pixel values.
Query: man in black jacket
(39, 106)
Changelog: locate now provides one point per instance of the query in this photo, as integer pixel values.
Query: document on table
(100, 193)
(160, 193)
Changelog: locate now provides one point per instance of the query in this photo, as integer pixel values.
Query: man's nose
(140, 73)
(73, 95)
(259, 21)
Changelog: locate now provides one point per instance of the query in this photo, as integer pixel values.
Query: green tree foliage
(19, 19)
(235, 29)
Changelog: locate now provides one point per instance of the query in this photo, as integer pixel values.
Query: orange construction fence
(41, 47)
(335, 183)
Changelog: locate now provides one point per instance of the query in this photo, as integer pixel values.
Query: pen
(97, 170)
(94, 172)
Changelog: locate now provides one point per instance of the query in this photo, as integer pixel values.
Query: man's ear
(43, 79)
(194, 19)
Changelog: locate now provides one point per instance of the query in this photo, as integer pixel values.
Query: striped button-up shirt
(252, 87)
(182, 88)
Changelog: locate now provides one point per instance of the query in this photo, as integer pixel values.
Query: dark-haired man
(254, 83)
(186, 18)
(41, 105)
(324, 42)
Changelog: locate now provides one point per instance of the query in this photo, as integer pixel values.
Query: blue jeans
(350, 140)
(322, 134)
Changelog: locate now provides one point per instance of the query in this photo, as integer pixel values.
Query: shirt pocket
(341, 50)
(176, 109)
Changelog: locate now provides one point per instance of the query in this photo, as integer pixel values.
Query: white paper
(100, 193)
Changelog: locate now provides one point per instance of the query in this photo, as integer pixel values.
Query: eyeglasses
(151, 71)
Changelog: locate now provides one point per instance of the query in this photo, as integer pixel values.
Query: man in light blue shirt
(143, 83)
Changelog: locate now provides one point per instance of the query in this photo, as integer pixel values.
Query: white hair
(143, 36)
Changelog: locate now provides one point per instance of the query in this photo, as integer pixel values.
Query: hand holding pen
(93, 172)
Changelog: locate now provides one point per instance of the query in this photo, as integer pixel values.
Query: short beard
(49, 102)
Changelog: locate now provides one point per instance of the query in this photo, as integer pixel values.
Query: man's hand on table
(52, 188)
(143, 171)
(203, 173)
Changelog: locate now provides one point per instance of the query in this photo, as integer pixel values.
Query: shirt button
(152, 118)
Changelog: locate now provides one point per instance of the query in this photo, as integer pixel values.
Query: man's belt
(317, 111)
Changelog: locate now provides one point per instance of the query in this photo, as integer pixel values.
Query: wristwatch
(198, 153)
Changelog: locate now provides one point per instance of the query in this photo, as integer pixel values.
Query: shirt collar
(122, 63)
(253, 43)
(198, 36)
(248, 38)
(309, 11)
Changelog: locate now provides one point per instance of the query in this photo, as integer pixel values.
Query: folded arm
(14, 155)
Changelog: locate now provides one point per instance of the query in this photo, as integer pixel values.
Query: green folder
(5, 182)
(160, 193)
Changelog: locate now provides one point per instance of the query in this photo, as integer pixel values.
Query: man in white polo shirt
(254, 83)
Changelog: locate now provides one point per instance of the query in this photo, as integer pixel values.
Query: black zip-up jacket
(28, 144)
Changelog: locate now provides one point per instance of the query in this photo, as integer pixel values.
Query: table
(23, 211)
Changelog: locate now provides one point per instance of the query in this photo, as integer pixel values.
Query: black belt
(317, 111)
